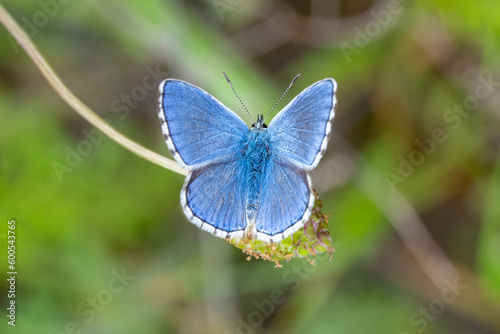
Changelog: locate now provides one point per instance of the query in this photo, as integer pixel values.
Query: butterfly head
(259, 125)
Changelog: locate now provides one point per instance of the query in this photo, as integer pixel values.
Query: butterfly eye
(263, 126)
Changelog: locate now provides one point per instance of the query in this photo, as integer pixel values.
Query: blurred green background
(411, 177)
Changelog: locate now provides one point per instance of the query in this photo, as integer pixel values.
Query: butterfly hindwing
(301, 130)
(197, 127)
(286, 200)
(213, 197)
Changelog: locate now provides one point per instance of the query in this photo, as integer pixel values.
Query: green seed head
(312, 239)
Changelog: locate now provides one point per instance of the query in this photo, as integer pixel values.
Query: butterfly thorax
(257, 152)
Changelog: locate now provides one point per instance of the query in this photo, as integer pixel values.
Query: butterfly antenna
(282, 96)
(230, 84)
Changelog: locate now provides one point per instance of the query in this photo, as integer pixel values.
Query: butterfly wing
(298, 135)
(286, 200)
(213, 197)
(196, 126)
(301, 130)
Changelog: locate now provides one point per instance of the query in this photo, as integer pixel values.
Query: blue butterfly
(242, 182)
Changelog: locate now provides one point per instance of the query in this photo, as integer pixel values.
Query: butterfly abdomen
(257, 154)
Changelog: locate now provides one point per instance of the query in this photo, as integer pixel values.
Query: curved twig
(84, 111)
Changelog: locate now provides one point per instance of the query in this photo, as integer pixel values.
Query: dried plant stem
(84, 111)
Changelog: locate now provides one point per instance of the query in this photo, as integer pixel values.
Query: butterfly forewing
(301, 130)
(197, 127)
